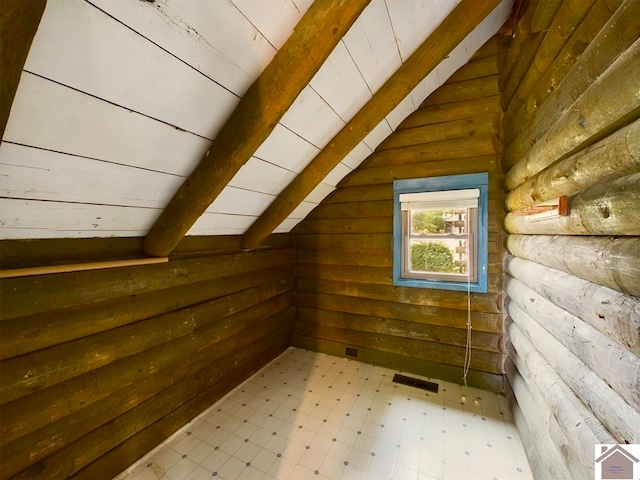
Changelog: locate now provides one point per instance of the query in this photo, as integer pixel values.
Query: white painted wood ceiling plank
(50, 116)
(413, 22)
(238, 201)
(340, 83)
(338, 173)
(126, 70)
(378, 134)
(212, 36)
(221, 224)
(45, 219)
(302, 210)
(260, 176)
(275, 19)
(287, 149)
(34, 174)
(372, 44)
(319, 193)
(312, 118)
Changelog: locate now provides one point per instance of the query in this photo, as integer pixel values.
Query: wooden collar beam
(255, 117)
(455, 27)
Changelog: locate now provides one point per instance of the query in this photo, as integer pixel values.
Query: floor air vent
(415, 382)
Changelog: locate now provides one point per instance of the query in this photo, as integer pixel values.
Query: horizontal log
(376, 225)
(387, 174)
(620, 418)
(446, 317)
(480, 302)
(374, 275)
(30, 448)
(480, 67)
(543, 15)
(615, 364)
(485, 125)
(207, 245)
(565, 22)
(369, 193)
(377, 209)
(61, 251)
(575, 419)
(616, 156)
(496, 45)
(34, 253)
(536, 463)
(553, 463)
(570, 451)
(596, 19)
(345, 225)
(614, 314)
(359, 209)
(521, 18)
(311, 321)
(372, 259)
(333, 257)
(483, 380)
(601, 110)
(41, 409)
(605, 209)
(121, 455)
(452, 111)
(28, 334)
(26, 374)
(557, 93)
(463, 91)
(613, 262)
(461, 148)
(23, 296)
(355, 242)
(427, 351)
(349, 273)
(521, 65)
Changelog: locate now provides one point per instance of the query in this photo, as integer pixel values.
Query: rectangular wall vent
(352, 352)
(415, 382)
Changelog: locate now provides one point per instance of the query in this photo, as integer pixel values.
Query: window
(440, 232)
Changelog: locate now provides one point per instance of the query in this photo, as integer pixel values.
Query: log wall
(345, 296)
(97, 366)
(571, 127)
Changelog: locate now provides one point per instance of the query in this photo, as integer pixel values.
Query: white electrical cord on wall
(467, 350)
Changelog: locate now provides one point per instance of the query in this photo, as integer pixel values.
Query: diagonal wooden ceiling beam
(455, 27)
(259, 111)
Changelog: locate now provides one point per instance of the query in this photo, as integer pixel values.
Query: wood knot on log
(582, 122)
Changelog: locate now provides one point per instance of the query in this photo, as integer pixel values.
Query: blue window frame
(440, 232)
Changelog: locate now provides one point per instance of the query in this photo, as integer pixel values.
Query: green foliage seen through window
(428, 221)
(432, 257)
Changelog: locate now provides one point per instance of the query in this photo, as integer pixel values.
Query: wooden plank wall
(97, 366)
(572, 102)
(345, 295)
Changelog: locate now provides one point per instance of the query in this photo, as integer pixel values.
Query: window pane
(439, 242)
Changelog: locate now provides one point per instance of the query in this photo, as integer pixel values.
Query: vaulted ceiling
(120, 100)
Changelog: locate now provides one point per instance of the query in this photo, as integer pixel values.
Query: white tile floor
(312, 416)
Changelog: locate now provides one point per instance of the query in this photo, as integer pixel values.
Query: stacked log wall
(345, 295)
(571, 128)
(97, 366)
